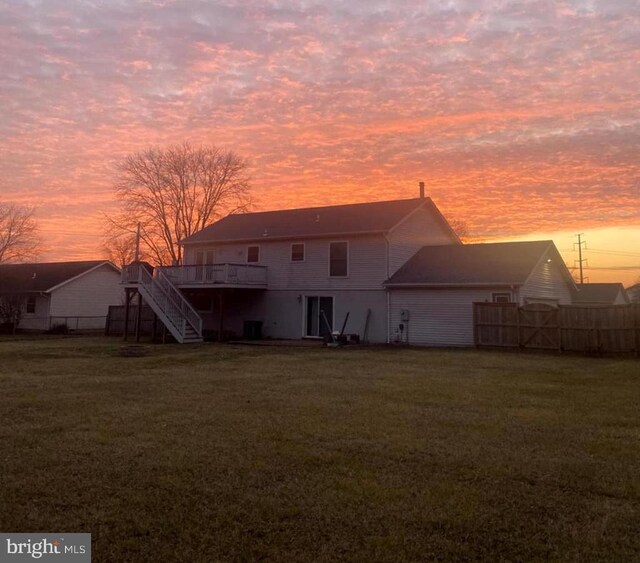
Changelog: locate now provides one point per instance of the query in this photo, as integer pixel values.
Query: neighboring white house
(77, 294)
(298, 273)
(601, 294)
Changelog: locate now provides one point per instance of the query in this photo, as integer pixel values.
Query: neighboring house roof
(357, 218)
(633, 293)
(504, 263)
(601, 293)
(45, 276)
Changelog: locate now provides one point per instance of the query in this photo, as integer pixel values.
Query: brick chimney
(421, 190)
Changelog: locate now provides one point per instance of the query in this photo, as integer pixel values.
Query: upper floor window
(501, 297)
(205, 257)
(30, 307)
(253, 254)
(338, 259)
(297, 252)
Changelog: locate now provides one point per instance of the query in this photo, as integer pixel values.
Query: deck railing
(210, 274)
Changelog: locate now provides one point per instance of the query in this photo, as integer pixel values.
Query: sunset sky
(523, 118)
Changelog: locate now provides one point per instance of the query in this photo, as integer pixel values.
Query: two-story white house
(298, 273)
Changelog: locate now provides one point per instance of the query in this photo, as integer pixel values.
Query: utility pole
(580, 260)
(137, 256)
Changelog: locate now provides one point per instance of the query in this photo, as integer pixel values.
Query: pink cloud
(511, 112)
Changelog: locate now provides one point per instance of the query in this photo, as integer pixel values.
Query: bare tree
(461, 229)
(19, 239)
(120, 248)
(11, 310)
(174, 192)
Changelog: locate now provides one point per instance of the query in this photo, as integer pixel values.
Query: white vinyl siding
(39, 319)
(437, 317)
(88, 296)
(367, 264)
(421, 228)
(546, 283)
(283, 312)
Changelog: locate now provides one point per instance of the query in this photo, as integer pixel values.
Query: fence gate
(538, 326)
(575, 328)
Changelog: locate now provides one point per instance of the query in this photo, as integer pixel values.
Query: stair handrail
(189, 312)
(146, 280)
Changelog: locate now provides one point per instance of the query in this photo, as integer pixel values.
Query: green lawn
(212, 452)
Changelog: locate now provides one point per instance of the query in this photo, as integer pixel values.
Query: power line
(613, 267)
(614, 252)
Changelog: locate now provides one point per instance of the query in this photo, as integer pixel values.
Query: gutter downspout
(388, 317)
(386, 239)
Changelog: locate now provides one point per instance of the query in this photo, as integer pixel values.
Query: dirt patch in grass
(202, 453)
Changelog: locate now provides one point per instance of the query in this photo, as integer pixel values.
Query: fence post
(636, 322)
(475, 325)
(560, 321)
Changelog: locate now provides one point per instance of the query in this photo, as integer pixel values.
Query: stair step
(169, 314)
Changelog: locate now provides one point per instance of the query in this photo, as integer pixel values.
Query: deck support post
(127, 300)
(138, 317)
(220, 314)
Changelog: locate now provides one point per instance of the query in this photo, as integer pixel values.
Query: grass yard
(211, 452)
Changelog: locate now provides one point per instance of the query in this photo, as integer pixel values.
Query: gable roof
(503, 263)
(44, 276)
(605, 293)
(355, 218)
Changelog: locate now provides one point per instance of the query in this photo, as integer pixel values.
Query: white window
(253, 254)
(501, 297)
(338, 259)
(30, 308)
(297, 252)
(205, 257)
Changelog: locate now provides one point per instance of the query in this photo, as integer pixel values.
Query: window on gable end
(30, 307)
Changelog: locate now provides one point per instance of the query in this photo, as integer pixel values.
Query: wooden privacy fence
(602, 329)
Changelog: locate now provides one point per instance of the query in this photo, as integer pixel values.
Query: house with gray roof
(432, 294)
(601, 294)
(77, 294)
(300, 273)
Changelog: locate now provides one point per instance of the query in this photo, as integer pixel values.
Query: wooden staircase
(167, 302)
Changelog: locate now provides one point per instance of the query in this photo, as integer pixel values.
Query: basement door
(315, 322)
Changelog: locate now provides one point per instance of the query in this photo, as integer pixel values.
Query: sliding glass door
(318, 315)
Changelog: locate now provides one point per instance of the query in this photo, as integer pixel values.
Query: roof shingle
(504, 263)
(354, 218)
(605, 293)
(26, 278)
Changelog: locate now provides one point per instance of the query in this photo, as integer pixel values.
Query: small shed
(72, 294)
(431, 297)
